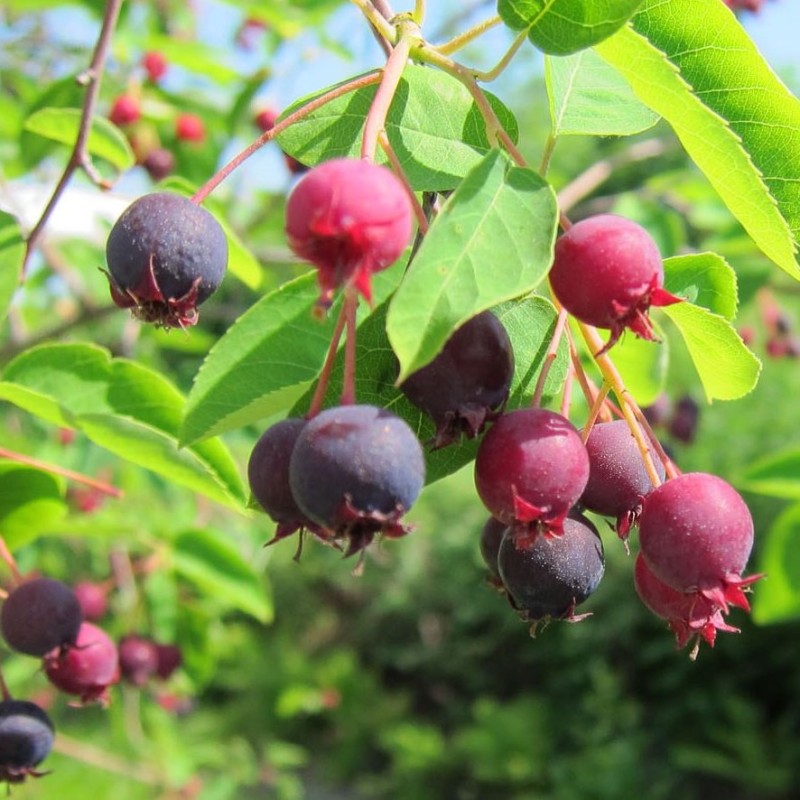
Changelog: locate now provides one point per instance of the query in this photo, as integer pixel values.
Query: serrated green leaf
(775, 475)
(727, 369)
(492, 241)
(561, 27)
(105, 139)
(30, 501)
(216, 567)
(777, 597)
(589, 97)
(530, 324)
(433, 125)
(692, 63)
(12, 251)
(705, 279)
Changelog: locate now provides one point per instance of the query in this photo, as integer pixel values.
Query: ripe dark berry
(39, 616)
(125, 110)
(696, 534)
(88, 668)
(190, 128)
(138, 659)
(684, 421)
(607, 271)
(349, 218)
(689, 616)
(155, 64)
(166, 256)
(268, 475)
(170, 658)
(551, 575)
(491, 536)
(159, 163)
(26, 738)
(93, 598)
(618, 480)
(355, 470)
(468, 382)
(531, 469)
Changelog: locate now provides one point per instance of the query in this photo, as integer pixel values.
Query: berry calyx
(26, 738)
(696, 534)
(190, 128)
(531, 469)
(166, 255)
(349, 218)
(125, 110)
(355, 470)
(607, 271)
(467, 384)
(39, 616)
(86, 669)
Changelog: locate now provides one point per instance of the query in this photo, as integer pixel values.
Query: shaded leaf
(30, 501)
(775, 475)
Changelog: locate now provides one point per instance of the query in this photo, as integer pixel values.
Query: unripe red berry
(125, 110)
(190, 128)
(93, 598)
(155, 65)
(266, 118)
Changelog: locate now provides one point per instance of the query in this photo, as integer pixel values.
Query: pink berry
(190, 128)
(349, 218)
(607, 271)
(155, 65)
(125, 110)
(266, 119)
(93, 598)
(696, 535)
(138, 659)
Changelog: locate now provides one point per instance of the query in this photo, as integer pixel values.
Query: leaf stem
(349, 378)
(419, 211)
(469, 35)
(296, 116)
(491, 74)
(7, 556)
(378, 20)
(418, 14)
(549, 357)
(325, 374)
(547, 155)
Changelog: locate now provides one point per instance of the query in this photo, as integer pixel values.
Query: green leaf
(30, 502)
(777, 597)
(727, 369)
(492, 241)
(215, 566)
(530, 324)
(12, 251)
(195, 57)
(693, 63)
(433, 125)
(705, 279)
(589, 97)
(561, 27)
(105, 139)
(775, 475)
(643, 366)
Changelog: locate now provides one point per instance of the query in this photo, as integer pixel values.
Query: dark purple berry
(468, 382)
(166, 255)
(138, 659)
(491, 536)
(531, 469)
(684, 420)
(26, 738)
(88, 668)
(41, 615)
(268, 475)
(607, 271)
(159, 163)
(170, 658)
(696, 535)
(618, 480)
(355, 470)
(551, 575)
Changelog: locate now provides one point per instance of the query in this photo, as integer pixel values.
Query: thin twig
(419, 211)
(549, 357)
(325, 375)
(349, 378)
(79, 158)
(462, 39)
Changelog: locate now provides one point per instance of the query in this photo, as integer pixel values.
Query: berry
(491, 536)
(696, 535)
(468, 382)
(26, 738)
(190, 128)
(125, 110)
(355, 470)
(293, 165)
(531, 469)
(93, 598)
(658, 412)
(166, 255)
(159, 163)
(169, 659)
(88, 668)
(39, 616)
(138, 659)
(268, 475)
(266, 118)
(607, 271)
(349, 218)
(551, 575)
(618, 480)
(689, 616)
(155, 64)
(683, 424)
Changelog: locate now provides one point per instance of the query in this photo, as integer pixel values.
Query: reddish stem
(549, 357)
(594, 411)
(419, 211)
(325, 374)
(349, 379)
(670, 467)
(7, 556)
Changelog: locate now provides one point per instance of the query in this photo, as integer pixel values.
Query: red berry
(138, 659)
(190, 128)
(266, 119)
(531, 469)
(125, 110)
(93, 598)
(170, 658)
(607, 271)
(349, 218)
(155, 65)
